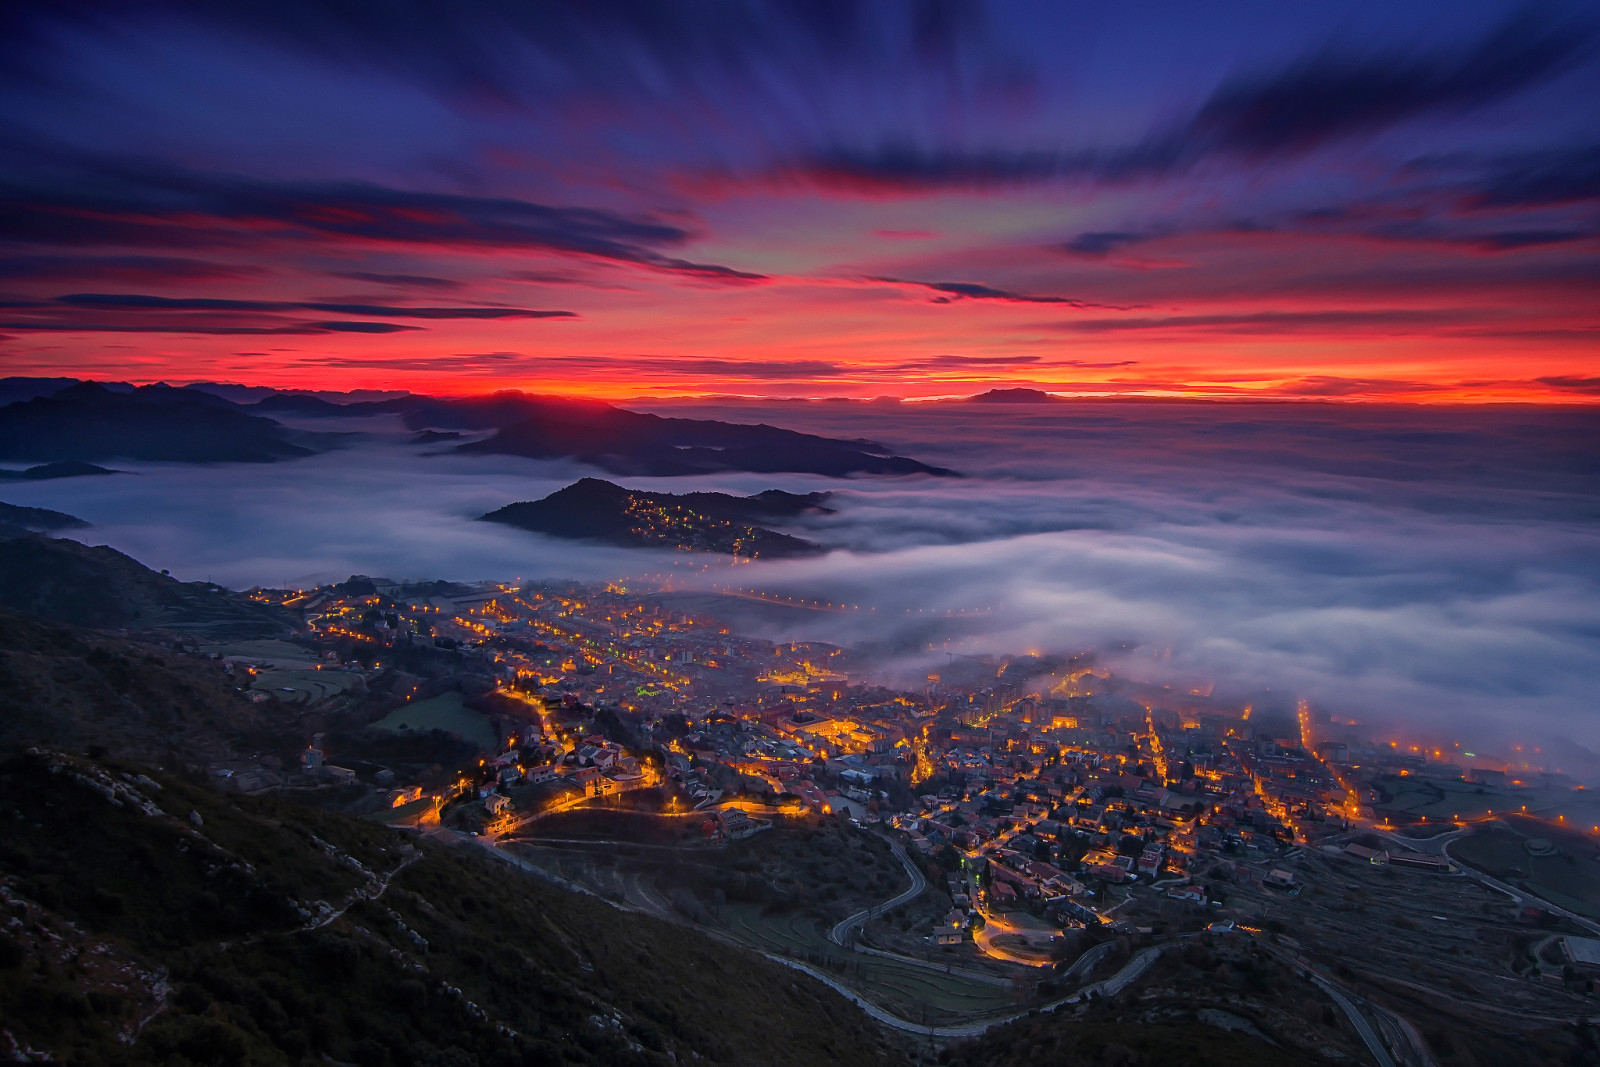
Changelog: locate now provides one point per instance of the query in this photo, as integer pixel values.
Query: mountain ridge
(89, 421)
(592, 509)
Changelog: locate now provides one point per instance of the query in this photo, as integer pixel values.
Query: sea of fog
(1440, 567)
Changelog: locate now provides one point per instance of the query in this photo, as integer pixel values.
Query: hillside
(98, 586)
(18, 521)
(163, 923)
(76, 688)
(596, 510)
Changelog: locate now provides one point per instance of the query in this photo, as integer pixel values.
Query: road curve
(1108, 987)
(1369, 1036)
(918, 883)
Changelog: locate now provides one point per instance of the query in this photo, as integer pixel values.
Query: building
(1583, 953)
(1365, 854)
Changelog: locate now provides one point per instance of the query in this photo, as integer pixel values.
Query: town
(1055, 823)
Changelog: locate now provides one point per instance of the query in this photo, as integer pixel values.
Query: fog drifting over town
(1439, 568)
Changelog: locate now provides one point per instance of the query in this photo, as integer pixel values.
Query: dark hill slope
(88, 422)
(98, 586)
(74, 688)
(596, 510)
(18, 521)
(219, 931)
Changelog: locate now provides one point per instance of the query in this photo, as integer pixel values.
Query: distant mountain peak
(1014, 396)
(593, 509)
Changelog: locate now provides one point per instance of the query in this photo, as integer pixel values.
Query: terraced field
(305, 687)
(902, 987)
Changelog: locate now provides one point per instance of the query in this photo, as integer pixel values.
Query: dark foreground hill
(592, 509)
(156, 921)
(76, 688)
(98, 586)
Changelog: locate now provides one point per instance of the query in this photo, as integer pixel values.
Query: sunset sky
(814, 198)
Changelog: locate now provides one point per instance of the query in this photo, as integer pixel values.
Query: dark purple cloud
(300, 329)
(104, 202)
(1324, 97)
(1101, 243)
(400, 281)
(139, 302)
(979, 291)
(1334, 95)
(1573, 383)
(1537, 179)
(1271, 321)
(122, 268)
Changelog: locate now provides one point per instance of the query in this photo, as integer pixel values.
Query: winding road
(842, 930)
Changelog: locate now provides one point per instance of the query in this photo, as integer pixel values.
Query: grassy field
(1439, 798)
(444, 712)
(1568, 877)
(279, 653)
(305, 687)
(1416, 796)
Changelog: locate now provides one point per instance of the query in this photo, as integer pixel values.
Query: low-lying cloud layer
(1441, 568)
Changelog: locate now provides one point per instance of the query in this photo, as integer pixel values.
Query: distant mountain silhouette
(15, 389)
(68, 582)
(88, 422)
(49, 471)
(617, 440)
(596, 510)
(633, 443)
(1014, 396)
